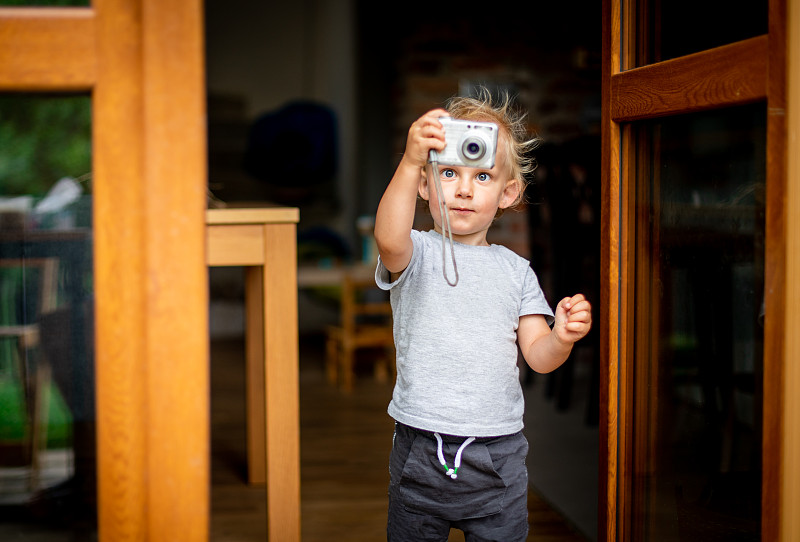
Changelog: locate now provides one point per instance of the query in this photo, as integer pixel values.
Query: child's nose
(464, 188)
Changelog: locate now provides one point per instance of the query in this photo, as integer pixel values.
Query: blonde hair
(510, 119)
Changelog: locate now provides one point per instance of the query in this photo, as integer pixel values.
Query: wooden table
(313, 276)
(264, 242)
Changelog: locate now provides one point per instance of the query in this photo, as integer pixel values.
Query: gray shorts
(487, 499)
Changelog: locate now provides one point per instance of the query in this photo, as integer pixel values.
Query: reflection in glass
(697, 358)
(47, 420)
(670, 29)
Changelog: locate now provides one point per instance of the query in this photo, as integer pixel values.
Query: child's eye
(448, 173)
(483, 177)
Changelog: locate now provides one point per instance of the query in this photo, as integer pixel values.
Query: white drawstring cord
(433, 175)
(452, 473)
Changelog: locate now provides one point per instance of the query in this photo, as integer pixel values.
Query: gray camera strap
(433, 175)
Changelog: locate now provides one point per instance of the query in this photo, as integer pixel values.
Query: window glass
(670, 29)
(47, 417)
(698, 350)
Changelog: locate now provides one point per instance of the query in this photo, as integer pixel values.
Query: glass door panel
(47, 414)
(674, 28)
(697, 354)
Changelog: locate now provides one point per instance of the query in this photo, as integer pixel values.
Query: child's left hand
(573, 319)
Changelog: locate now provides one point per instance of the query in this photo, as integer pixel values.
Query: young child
(458, 458)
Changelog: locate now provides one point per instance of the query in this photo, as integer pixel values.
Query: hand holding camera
(468, 143)
(454, 142)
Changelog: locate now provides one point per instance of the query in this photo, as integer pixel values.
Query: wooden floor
(345, 440)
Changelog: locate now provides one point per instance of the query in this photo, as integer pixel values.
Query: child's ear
(510, 194)
(423, 186)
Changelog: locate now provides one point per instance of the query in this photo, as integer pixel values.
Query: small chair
(365, 322)
(35, 385)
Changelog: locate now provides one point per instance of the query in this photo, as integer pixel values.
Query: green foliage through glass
(42, 139)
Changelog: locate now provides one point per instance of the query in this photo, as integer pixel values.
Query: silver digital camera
(468, 143)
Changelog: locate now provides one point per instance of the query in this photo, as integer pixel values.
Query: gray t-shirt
(456, 346)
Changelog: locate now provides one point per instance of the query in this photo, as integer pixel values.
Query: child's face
(473, 197)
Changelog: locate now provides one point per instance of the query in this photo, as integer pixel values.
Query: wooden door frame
(142, 62)
(766, 68)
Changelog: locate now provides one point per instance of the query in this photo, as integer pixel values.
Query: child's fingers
(428, 129)
(436, 113)
(578, 313)
(426, 133)
(583, 306)
(430, 121)
(570, 302)
(577, 327)
(575, 313)
(579, 317)
(432, 136)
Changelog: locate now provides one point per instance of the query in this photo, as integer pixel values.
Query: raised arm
(395, 216)
(545, 349)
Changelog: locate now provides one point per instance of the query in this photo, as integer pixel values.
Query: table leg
(254, 348)
(281, 383)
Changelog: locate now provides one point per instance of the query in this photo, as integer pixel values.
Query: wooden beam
(120, 301)
(775, 254)
(47, 49)
(790, 415)
(281, 383)
(151, 278)
(608, 312)
(176, 278)
(730, 75)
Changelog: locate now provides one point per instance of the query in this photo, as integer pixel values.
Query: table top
(311, 276)
(254, 215)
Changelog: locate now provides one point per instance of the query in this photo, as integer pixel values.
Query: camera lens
(473, 148)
